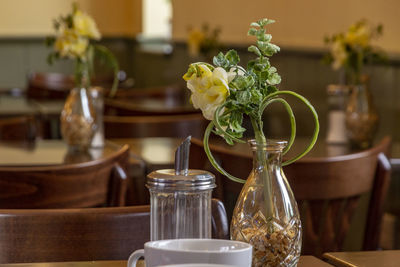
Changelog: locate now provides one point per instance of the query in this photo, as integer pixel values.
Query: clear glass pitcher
(266, 213)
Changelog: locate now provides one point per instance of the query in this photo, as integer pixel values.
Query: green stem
(82, 75)
(316, 129)
(211, 158)
(268, 101)
(263, 165)
(109, 59)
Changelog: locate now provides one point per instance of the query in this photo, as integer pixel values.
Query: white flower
(339, 55)
(209, 88)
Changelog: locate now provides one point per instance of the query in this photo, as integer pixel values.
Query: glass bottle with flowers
(74, 33)
(266, 213)
(204, 42)
(351, 52)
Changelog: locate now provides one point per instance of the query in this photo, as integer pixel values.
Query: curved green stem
(316, 129)
(108, 58)
(259, 133)
(211, 157)
(268, 101)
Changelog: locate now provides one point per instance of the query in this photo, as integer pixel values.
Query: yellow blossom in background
(84, 25)
(72, 40)
(359, 34)
(195, 38)
(73, 34)
(71, 45)
(352, 50)
(209, 88)
(204, 41)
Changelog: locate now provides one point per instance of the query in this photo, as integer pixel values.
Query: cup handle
(134, 257)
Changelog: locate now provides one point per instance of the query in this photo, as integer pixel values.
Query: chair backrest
(76, 185)
(82, 234)
(154, 126)
(49, 85)
(173, 92)
(52, 85)
(21, 128)
(51, 235)
(328, 191)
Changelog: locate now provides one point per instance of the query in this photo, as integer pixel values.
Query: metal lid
(169, 180)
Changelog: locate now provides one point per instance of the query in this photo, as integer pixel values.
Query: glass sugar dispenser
(180, 200)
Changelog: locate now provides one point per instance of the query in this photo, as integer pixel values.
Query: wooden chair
(328, 191)
(47, 85)
(162, 92)
(52, 85)
(154, 126)
(81, 234)
(89, 184)
(21, 128)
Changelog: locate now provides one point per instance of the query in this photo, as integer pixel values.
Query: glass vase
(361, 117)
(266, 213)
(98, 104)
(78, 119)
(337, 98)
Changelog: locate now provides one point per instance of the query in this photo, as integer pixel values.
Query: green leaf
(242, 82)
(270, 49)
(254, 24)
(219, 60)
(255, 50)
(233, 57)
(252, 32)
(49, 41)
(274, 79)
(236, 121)
(256, 96)
(243, 97)
(264, 22)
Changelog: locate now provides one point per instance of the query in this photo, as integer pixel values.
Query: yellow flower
(84, 25)
(209, 88)
(358, 35)
(70, 45)
(195, 38)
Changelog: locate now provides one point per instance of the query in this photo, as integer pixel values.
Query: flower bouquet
(73, 40)
(266, 213)
(204, 41)
(350, 52)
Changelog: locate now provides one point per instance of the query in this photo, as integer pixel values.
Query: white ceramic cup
(180, 251)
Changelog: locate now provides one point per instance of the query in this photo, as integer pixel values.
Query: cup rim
(246, 246)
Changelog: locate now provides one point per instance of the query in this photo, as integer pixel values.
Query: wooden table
(48, 152)
(385, 258)
(20, 105)
(305, 261)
